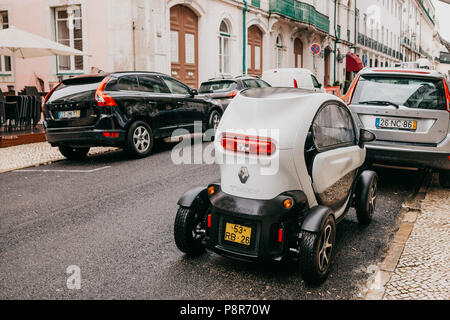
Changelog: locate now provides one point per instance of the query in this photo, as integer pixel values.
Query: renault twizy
(291, 167)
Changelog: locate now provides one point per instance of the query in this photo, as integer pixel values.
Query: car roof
(402, 72)
(276, 92)
(139, 72)
(301, 70)
(234, 79)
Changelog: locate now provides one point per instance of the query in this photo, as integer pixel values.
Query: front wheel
(444, 179)
(73, 153)
(189, 231)
(316, 252)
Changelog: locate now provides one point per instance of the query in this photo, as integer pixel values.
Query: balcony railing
(375, 45)
(300, 11)
(256, 3)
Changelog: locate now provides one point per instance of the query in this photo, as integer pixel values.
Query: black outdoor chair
(11, 107)
(35, 106)
(24, 115)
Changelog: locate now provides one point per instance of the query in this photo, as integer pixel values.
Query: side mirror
(194, 92)
(365, 136)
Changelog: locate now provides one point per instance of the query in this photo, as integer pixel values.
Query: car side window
(333, 127)
(316, 83)
(152, 84)
(262, 84)
(176, 87)
(127, 83)
(251, 83)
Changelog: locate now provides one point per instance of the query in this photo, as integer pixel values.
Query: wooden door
(184, 45)
(298, 53)
(255, 51)
(327, 55)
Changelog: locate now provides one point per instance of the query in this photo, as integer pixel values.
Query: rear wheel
(189, 231)
(140, 140)
(73, 153)
(444, 179)
(316, 252)
(366, 196)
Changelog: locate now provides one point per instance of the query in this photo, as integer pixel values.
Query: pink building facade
(81, 24)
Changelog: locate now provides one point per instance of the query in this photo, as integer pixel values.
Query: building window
(279, 52)
(5, 61)
(69, 32)
(224, 48)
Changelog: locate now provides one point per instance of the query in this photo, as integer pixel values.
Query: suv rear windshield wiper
(380, 102)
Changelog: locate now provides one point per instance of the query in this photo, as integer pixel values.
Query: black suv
(122, 109)
(225, 88)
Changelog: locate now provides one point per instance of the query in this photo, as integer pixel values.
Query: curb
(409, 213)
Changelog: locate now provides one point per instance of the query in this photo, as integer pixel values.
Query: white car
(293, 78)
(290, 164)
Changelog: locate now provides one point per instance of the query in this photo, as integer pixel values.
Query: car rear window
(418, 92)
(217, 86)
(76, 88)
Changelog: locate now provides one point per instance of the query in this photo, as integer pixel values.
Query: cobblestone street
(423, 269)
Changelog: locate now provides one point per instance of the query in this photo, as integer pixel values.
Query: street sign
(315, 48)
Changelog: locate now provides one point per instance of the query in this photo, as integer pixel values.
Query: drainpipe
(355, 36)
(134, 45)
(335, 40)
(244, 41)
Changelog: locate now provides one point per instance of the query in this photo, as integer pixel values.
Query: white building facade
(194, 40)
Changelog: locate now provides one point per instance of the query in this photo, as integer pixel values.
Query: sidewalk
(34, 154)
(417, 265)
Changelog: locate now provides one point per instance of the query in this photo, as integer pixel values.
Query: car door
(160, 105)
(188, 108)
(337, 155)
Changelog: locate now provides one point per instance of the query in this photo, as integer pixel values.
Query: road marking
(63, 170)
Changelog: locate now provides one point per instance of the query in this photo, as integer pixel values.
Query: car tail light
(49, 94)
(104, 100)
(280, 235)
(348, 97)
(248, 144)
(111, 134)
(295, 83)
(447, 94)
(209, 221)
(232, 94)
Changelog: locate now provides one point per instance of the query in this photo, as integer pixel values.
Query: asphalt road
(113, 218)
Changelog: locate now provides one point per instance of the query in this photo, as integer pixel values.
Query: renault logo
(243, 174)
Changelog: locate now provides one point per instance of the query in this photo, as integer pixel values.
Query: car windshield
(419, 93)
(217, 86)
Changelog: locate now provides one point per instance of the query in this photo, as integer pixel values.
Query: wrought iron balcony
(256, 3)
(300, 11)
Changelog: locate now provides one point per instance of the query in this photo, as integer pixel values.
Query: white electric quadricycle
(291, 167)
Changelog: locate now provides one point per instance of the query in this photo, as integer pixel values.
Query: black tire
(314, 257)
(444, 179)
(365, 196)
(73, 153)
(140, 140)
(213, 122)
(186, 239)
